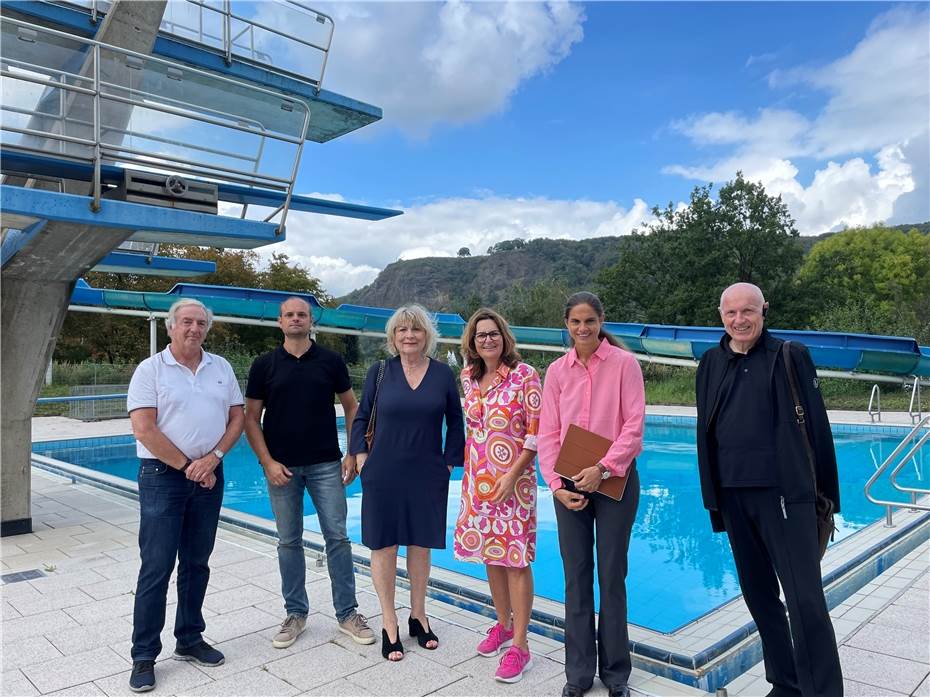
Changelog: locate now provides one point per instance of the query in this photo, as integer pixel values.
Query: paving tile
(53, 600)
(120, 569)
(321, 664)
(17, 654)
(914, 618)
(110, 589)
(892, 641)
(13, 682)
(88, 689)
(339, 688)
(79, 639)
(253, 567)
(254, 681)
(255, 650)
(58, 580)
(75, 670)
(412, 676)
(92, 613)
(883, 671)
(923, 690)
(36, 625)
(128, 553)
(9, 612)
(220, 581)
(482, 669)
(47, 560)
(851, 688)
(230, 625)
(235, 598)
(225, 553)
(171, 677)
(872, 603)
(914, 597)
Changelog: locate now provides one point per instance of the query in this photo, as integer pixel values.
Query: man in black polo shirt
(756, 482)
(298, 448)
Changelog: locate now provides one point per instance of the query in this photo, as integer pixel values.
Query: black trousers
(772, 544)
(603, 525)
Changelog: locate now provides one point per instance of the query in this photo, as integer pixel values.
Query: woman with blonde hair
(405, 472)
(496, 525)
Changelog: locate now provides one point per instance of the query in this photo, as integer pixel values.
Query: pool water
(678, 569)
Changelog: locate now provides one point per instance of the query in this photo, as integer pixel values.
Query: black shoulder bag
(823, 506)
(370, 431)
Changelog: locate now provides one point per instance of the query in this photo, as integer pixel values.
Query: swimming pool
(679, 569)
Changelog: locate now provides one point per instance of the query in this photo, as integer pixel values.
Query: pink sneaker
(498, 636)
(513, 665)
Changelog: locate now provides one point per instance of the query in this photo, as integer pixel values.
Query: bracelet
(186, 465)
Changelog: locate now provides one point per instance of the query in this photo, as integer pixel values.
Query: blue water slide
(863, 353)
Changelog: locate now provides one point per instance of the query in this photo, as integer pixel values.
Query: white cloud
(433, 63)
(346, 254)
(878, 105)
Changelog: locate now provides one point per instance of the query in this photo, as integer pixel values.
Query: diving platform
(233, 44)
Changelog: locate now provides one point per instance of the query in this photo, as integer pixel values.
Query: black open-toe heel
(387, 648)
(423, 635)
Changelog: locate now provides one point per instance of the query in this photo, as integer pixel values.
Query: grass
(672, 385)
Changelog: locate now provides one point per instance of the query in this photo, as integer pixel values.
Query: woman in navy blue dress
(405, 477)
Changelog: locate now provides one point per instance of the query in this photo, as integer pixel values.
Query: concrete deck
(67, 630)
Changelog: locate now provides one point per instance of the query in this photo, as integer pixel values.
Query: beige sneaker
(291, 628)
(357, 627)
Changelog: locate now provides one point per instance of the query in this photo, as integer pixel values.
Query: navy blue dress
(405, 481)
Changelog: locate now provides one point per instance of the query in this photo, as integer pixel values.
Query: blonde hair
(417, 317)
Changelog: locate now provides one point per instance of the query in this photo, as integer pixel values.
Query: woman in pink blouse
(497, 519)
(598, 386)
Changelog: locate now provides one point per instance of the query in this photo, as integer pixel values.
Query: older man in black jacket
(756, 483)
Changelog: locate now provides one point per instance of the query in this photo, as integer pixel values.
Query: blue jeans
(323, 481)
(178, 521)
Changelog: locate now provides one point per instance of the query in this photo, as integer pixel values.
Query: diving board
(146, 265)
(50, 165)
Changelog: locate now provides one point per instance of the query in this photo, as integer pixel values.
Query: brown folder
(582, 449)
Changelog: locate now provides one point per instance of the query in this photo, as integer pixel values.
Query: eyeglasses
(484, 337)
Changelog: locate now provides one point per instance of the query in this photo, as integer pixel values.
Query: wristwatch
(219, 453)
(605, 473)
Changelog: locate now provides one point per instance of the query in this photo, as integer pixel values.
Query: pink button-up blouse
(606, 397)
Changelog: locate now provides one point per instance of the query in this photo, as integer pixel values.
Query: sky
(570, 120)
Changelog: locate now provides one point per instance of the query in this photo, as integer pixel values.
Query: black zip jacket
(793, 471)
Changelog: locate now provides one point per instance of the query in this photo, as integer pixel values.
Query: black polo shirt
(744, 428)
(300, 419)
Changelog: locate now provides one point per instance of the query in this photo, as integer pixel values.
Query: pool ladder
(875, 398)
(916, 439)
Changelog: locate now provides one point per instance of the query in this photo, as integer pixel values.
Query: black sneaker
(142, 678)
(202, 654)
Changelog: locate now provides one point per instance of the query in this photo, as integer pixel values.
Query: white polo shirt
(192, 408)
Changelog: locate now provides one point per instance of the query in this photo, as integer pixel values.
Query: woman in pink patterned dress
(497, 519)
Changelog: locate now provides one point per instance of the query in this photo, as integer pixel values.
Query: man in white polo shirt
(186, 412)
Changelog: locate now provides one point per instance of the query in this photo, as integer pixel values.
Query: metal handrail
(890, 505)
(154, 159)
(228, 41)
(915, 394)
(875, 397)
(913, 491)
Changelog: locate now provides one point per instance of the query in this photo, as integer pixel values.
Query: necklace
(410, 370)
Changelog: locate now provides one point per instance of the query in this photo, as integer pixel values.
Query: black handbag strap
(374, 402)
(799, 410)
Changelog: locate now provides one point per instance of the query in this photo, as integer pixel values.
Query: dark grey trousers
(603, 525)
(771, 545)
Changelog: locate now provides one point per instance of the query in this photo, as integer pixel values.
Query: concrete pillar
(36, 288)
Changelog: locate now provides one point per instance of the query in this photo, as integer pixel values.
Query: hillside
(447, 284)
(443, 283)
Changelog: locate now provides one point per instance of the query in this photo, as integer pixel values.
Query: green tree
(464, 252)
(539, 305)
(673, 271)
(874, 280)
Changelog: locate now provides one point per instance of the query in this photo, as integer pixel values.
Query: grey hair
(184, 302)
(416, 316)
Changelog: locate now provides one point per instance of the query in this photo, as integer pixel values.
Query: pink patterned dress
(500, 425)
